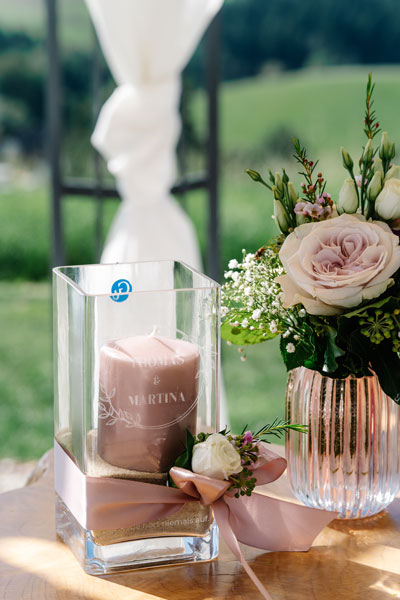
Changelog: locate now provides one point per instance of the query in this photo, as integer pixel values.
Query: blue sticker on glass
(121, 288)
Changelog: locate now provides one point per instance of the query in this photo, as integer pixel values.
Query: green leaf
(300, 357)
(332, 350)
(185, 459)
(386, 365)
(244, 337)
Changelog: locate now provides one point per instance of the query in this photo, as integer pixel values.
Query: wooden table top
(349, 560)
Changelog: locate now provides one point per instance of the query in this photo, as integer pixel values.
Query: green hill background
(258, 117)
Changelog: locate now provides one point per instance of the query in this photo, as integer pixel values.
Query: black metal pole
(96, 95)
(53, 125)
(212, 75)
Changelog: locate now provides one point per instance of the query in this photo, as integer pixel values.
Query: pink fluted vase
(349, 461)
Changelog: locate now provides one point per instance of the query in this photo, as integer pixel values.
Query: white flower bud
(292, 194)
(384, 149)
(281, 216)
(387, 204)
(374, 187)
(368, 152)
(216, 457)
(347, 160)
(378, 166)
(301, 219)
(278, 181)
(393, 173)
(348, 199)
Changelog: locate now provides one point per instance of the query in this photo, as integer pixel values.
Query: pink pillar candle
(148, 397)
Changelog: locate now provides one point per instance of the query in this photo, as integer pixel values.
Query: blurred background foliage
(288, 68)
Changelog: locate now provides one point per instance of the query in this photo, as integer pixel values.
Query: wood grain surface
(349, 560)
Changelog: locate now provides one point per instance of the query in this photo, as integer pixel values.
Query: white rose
(216, 457)
(336, 264)
(387, 204)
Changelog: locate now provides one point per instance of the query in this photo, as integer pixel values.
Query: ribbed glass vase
(349, 461)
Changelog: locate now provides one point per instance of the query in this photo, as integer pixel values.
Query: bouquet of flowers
(329, 285)
(222, 470)
(231, 458)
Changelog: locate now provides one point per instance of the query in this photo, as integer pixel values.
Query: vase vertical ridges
(349, 460)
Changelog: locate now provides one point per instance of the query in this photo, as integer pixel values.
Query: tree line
(256, 36)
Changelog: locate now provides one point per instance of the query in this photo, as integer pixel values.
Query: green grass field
(324, 108)
(29, 16)
(255, 389)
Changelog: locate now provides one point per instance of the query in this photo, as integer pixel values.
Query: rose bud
(348, 198)
(387, 204)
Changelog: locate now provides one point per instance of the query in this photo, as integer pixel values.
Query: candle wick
(154, 332)
(163, 342)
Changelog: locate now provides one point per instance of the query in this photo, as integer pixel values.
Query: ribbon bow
(256, 520)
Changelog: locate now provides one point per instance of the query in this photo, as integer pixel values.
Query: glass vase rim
(213, 285)
(350, 376)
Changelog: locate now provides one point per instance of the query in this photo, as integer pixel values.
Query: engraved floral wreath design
(108, 411)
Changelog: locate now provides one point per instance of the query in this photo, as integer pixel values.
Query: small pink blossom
(313, 210)
(358, 179)
(327, 211)
(298, 209)
(248, 437)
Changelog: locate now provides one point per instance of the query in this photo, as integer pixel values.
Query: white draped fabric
(146, 44)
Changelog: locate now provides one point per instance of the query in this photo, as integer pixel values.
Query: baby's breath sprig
(251, 297)
(252, 308)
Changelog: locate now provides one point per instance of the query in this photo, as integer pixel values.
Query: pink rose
(336, 264)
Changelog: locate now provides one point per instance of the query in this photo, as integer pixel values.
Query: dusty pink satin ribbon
(256, 520)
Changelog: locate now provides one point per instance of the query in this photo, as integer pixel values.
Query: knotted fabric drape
(146, 44)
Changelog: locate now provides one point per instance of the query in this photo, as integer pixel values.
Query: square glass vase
(136, 358)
